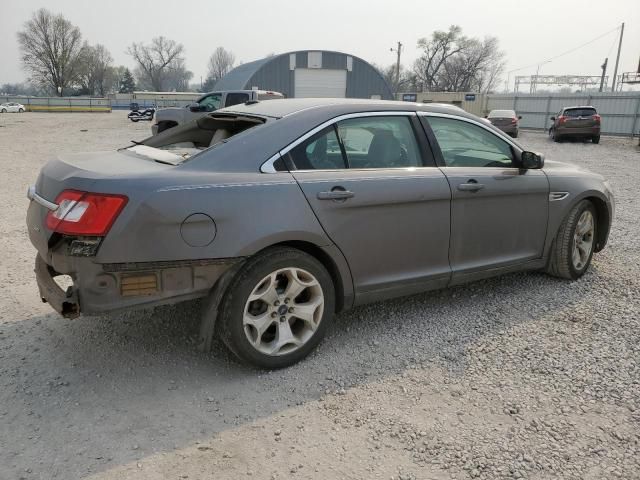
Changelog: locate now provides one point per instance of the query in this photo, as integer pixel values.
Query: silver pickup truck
(170, 117)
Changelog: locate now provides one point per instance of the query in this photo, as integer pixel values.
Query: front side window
(210, 102)
(464, 144)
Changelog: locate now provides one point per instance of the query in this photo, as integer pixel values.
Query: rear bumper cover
(63, 302)
(100, 288)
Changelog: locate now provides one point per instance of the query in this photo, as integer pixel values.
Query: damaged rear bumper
(100, 288)
(63, 302)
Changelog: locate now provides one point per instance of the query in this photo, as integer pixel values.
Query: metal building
(310, 73)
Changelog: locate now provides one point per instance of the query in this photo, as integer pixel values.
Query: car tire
(4, 110)
(21, 110)
(573, 245)
(515, 135)
(554, 137)
(265, 332)
(595, 139)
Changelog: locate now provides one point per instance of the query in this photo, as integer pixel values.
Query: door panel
(392, 225)
(498, 217)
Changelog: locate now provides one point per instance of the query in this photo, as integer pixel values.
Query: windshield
(580, 112)
(502, 114)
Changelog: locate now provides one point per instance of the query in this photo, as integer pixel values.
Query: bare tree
(157, 60)
(435, 52)
(451, 62)
(95, 73)
(406, 82)
(220, 63)
(50, 47)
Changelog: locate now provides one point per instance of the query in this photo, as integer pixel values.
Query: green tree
(127, 83)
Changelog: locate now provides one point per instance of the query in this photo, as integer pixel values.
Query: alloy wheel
(583, 240)
(283, 311)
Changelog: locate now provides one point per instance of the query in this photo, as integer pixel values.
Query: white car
(12, 107)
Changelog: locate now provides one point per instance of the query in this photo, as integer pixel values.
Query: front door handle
(335, 194)
(470, 187)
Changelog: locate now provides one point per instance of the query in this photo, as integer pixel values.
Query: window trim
(517, 150)
(267, 166)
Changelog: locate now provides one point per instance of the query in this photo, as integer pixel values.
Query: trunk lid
(80, 172)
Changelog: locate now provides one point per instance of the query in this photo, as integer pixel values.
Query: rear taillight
(514, 120)
(596, 117)
(562, 119)
(84, 213)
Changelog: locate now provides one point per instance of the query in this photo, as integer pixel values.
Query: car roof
(288, 106)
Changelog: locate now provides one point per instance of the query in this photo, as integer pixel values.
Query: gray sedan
(283, 213)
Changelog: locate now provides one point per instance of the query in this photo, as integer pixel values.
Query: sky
(529, 32)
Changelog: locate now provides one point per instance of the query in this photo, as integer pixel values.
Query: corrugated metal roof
(239, 76)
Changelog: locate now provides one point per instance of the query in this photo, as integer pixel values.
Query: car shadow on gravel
(103, 391)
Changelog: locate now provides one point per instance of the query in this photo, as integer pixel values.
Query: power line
(567, 52)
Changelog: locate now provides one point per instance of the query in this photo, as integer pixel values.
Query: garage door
(323, 83)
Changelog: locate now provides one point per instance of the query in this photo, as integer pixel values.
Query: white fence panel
(620, 112)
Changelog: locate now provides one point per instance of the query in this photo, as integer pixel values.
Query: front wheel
(277, 308)
(572, 248)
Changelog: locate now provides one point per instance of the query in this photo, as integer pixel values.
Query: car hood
(556, 168)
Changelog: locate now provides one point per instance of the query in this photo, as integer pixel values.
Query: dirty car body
(390, 198)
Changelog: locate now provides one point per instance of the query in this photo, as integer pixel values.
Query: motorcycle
(144, 115)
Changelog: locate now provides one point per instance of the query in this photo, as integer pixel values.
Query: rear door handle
(335, 195)
(470, 187)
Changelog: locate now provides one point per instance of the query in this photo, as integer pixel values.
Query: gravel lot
(523, 376)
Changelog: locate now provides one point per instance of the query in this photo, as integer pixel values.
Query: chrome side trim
(267, 167)
(32, 195)
(556, 196)
(500, 135)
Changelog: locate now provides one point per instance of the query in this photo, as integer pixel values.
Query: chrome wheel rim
(283, 311)
(583, 240)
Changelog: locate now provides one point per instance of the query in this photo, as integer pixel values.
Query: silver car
(283, 213)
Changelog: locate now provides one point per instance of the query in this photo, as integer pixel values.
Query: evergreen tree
(127, 83)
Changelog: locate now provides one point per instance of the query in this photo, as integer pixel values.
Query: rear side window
(379, 142)
(236, 98)
(320, 152)
(579, 112)
(362, 143)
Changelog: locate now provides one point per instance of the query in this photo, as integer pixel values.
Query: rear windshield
(579, 112)
(502, 114)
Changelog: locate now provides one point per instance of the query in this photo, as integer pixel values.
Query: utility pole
(604, 71)
(615, 69)
(398, 50)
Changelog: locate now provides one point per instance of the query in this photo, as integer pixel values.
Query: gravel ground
(523, 376)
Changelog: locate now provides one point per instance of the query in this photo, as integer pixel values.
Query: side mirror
(519, 117)
(531, 160)
(195, 107)
(553, 118)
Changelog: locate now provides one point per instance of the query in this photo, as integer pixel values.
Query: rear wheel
(573, 246)
(277, 308)
(21, 110)
(4, 110)
(555, 137)
(595, 139)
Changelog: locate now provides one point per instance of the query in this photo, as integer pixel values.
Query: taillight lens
(562, 119)
(514, 120)
(84, 213)
(596, 117)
